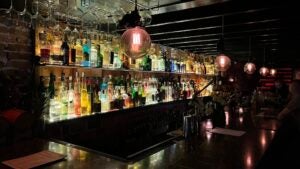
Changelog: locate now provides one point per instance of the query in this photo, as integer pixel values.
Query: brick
(27, 56)
(25, 66)
(19, 47)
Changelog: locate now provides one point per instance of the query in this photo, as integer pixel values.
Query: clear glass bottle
(71, 97)
(83, 95)
(79, 53)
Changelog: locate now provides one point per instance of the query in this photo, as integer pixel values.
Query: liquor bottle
(51, 87)
(77, 98)
(117, 64)
(94, 53)
(42, 92)
(83, 95)
(89, 96)
(79, 52)
(111, 59)
(63, 95)
(65, 52)
(44, 48)
(99, 57)
(96, 103)
(105, 103)
(55, 51)
(71, 97)
(106, 55)
(110, 88)
(96, 107)
(72, 60)
(86, 53)
(154, 63)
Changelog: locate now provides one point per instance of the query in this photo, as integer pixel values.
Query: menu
(34, 160)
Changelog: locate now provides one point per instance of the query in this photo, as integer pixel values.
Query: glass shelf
(124, 70)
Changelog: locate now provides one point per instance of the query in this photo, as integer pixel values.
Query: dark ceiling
(271, 26)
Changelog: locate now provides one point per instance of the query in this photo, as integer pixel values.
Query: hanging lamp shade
(222, 62)
(273, 72)
(264, 71)
(135, 42)
(249, 68)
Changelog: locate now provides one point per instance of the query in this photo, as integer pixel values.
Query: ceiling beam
(212, 27)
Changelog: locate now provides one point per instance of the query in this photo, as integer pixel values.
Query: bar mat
(34, 160)
(230, 132)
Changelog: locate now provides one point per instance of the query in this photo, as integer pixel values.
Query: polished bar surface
(204, 150)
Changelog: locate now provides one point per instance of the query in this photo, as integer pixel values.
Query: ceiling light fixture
(135, 41)
(222, 62)
(249, 67)
(264, 71)
(273, 72)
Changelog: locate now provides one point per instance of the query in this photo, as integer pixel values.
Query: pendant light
(264, 71)
(222, 62)
(135, 41)
(273, 72)
(249, 67)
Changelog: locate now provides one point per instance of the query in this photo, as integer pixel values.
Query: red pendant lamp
(135, 41)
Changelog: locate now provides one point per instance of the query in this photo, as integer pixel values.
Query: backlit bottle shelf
(124, 70)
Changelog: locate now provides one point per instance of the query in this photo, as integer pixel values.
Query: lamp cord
(223, 26)
(264, 55)
(249, 57)
(135, 8)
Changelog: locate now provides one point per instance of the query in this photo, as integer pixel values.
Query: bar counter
(204, 150)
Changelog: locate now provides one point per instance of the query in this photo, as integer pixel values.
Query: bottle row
(93, 51)
(83, 95)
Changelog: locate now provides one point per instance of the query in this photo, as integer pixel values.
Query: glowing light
(249, 68)
(231, 79)
(208, 136)
(222, 62)
(241, 110)
(264, 71)
(241, 119)
(136, 39)
(208, 124)
(248, 160)
(273, 72)
(226, 118)
(135, 42)
(263, 139)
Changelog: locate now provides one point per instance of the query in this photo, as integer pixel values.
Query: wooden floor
(204, 150)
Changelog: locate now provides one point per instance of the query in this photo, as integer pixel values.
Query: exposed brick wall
(16, 68)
